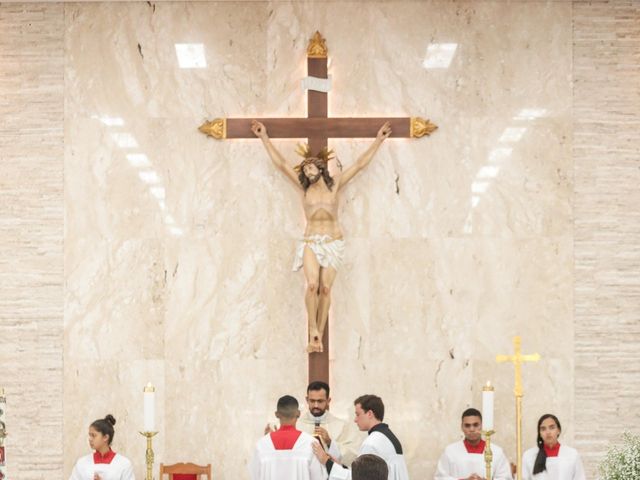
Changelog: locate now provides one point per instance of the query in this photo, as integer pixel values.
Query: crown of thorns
(325, 155)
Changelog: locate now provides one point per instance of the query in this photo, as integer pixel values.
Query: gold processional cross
(317, 128)
(518, 359)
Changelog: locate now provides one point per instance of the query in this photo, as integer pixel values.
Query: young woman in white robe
(103, 463)
(550, 460)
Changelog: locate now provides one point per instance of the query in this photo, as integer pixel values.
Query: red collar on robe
(552, 452)
(285, 437)
(106, 458)
(479, 448)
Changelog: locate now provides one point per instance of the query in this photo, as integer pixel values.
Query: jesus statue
(320, 252)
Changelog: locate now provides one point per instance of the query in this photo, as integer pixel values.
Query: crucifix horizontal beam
(353, 127)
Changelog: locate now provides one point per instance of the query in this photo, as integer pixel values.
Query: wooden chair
(185, 471)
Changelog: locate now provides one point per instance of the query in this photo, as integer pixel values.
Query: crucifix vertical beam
(318, 107)
(317, 102)
(517, 359)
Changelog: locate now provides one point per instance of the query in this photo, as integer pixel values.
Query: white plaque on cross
(317, 84)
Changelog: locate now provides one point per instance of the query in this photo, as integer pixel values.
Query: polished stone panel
(606, 101)
(178, 248)
(455, 243)
(31, 236)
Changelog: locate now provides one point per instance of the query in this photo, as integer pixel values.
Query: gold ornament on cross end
(317, 47)
(216, 128)
(421, 127)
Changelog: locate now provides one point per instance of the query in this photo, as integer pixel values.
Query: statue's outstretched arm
(278, 160)
(367, 156)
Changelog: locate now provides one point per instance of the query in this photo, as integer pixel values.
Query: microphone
(317, 435)
(317, 424)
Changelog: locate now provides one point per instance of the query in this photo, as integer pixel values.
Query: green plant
(622, 462)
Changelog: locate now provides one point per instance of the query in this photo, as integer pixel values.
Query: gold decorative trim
(149, 455)
(216, 128)
(149, 388)
(317, 47)
(421, 127)
(488, 454)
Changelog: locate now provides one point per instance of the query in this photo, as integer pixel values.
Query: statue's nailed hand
(258, 129)
(384, 131)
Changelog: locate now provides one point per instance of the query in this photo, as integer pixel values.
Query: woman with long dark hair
(550, 460)
(103, 463)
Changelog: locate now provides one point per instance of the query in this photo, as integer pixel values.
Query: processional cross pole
(517, 359)
(317, 128)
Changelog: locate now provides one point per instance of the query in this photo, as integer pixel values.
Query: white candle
(149, 408)
(487, 407)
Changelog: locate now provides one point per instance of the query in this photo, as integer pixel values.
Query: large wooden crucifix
(317, 128)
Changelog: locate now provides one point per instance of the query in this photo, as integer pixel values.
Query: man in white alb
(286, 453)
(381, 441)
(464, 459)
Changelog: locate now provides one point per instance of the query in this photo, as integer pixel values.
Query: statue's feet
(315, 344)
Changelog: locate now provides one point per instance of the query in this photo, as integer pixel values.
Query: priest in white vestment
(550, 460)
(341, 439)
(465, 459)
(103, 463)
(369, 413)
(287, 453)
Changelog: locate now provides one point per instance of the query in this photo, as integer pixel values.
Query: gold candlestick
(3, 403)
(3, 435)
(149, 453)
(488, 454)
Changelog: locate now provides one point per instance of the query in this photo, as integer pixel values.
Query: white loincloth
(328, 251)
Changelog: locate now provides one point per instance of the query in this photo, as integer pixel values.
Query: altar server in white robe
(286, 454)
(103, 463)
(341, 439)
(369, 413)
(465, 459)
(550, 460)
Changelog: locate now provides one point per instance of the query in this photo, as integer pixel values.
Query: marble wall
(31, 236)
(607, 222)
(177, 248)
